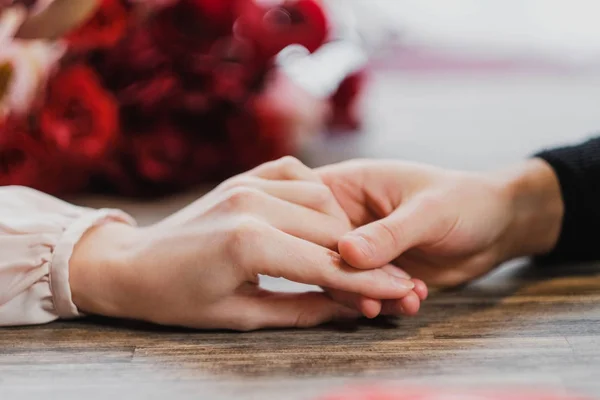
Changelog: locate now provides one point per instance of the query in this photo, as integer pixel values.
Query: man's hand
(445, 227)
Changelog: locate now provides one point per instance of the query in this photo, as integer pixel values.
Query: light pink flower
(29, 64)
(10, 20)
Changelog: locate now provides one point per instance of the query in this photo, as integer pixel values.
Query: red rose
(345, 103)
(210, 163)
(182, 31)
(227, 73)
(162, 155)
(195, 101)
(103, 30)
(287, 112)
(165, 159)
(252, 144)
(139, 73)
(20, 156)
(25, 161)
(136, 54)
(150, 96)
(229, 82)
(272, 29)
(79, 117)
(219, 14)
(236, 69)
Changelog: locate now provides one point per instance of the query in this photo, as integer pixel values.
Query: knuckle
(290, 161)
(392, 233)
(242, 198)
(323, 195)
(322, 199)
(244, 238)
(236, 182)
(290, 166)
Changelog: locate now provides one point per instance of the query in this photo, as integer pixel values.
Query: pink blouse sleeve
(37, 236)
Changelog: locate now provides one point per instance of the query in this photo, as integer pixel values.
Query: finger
(368, 307)
(304, 262)
(285, 310)
(396, 271)
(313, 195)
(296, 220)
(290, 168)
(420, 289)
(382, 241)
(371, 308)
(408, 305)
(286, 168)
(411, 303)
(420, 286)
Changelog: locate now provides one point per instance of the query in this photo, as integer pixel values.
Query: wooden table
(522, 326)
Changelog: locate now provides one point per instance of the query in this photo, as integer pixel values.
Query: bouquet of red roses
(151, 96)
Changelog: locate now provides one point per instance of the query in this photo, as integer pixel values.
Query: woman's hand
(445, 227)
(199, 268)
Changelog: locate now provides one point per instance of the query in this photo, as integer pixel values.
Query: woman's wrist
(536, 206)
(101, 269)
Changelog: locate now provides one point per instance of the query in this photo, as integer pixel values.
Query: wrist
(536, 207)
(100, 269)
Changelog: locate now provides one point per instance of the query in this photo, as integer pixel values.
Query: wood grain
(524, 325)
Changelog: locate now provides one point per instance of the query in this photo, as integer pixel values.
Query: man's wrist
(537, 209)
(100, 269)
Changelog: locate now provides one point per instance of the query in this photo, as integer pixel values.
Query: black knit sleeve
(578, 171)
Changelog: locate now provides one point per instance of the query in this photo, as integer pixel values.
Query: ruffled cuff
(59, 265)
(37, 236)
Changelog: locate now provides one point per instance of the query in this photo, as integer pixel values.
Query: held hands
(199, 268)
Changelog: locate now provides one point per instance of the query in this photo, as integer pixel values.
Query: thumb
(380, 242)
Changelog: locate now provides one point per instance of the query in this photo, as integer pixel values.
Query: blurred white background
(561, 31)
(550, 26)
(478, 84)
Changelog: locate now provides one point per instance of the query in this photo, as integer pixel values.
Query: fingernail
(404, 283)
(398, 272)
(363, 245)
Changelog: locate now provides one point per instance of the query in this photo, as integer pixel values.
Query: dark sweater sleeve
(578, 171)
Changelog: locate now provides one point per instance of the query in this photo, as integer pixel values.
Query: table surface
(521, 326)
